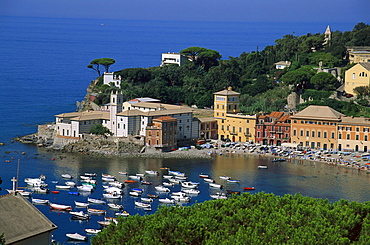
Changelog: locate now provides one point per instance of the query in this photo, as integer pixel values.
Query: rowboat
(108, 176)
(95, 211)
(137, 190)
(92, 231)
(107, 179)
(39, 201)
(143, 182)
(55, 192)
(76, 236)
(122, 173)
(203, 175)
(81, 204)
(129, 181)
(104, 223)
(115, 206)
(248, 188)
(60, 207)
(95, 201)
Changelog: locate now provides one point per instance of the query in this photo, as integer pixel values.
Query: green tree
(99, 129)
(324, 81)
(95, 65)
(105, 62)
(2, 239)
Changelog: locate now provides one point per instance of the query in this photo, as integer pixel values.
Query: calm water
(45, 74)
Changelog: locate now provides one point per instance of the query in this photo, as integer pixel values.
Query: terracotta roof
(276, 114)
(360, 121)
(85, 115)
(284, 118)
(315, 112)
(165, 119)
(20, 219)
(226, 92)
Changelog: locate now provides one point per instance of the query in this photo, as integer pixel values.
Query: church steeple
(327, 35)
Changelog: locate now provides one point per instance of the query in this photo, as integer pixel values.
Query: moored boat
(63, 187)
(214, 185)
(76, 236)
(124, 214)
(191, 191)
(153, 196)
(233, 192)
(166, 200)
(203, 176)
(208, 180)
(143, 182)
(95, 211)
(79, 215)
(151, 172)
(219, 195)
(60, 207)
(92, 231)
(233, 181)
(142, 205)
(134, 193)
(111, 196)
(67, 176)
(161, 189)
(81, 204)
(39, 201)
(95, 201)
(225, 177)
(129, 181)
(262, 166)
(115, 206)
(249, 188)
(146, 199)
(189, 185)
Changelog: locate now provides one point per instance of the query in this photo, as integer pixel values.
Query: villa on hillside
(356, 76)
(173, 58)
(130, 118)
(358, 54)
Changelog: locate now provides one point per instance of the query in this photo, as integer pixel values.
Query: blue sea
(44, 72)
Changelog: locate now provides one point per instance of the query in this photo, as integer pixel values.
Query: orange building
(161, 134)
(316, 127)
(353, 134)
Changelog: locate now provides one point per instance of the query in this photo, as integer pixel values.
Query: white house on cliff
(129, 118)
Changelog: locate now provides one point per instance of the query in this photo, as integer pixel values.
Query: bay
(44, 73)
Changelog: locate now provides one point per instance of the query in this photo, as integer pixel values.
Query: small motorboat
(168, 184)
(137, 190)
(142, 205)
(92, 231)
(96, 211)
(135, 177)
(67, 176)
(40, 190)
(113, 190)
(166, 200)
(79, 215)
(262, 166)
(203, 176)
(122, 173)
(95, 201)
(115, 206)
(55, 192)
(143, 182)
(233, 181)
(146, 199)
(181, 198)
(108, 176)
(112, 196)
(124, 214)
(135, 193)
(85, 188)
(81, 204)
(214, 185)
(153, 195)
(39, 201)
(76, 193)
(60, 207)
(189, 185)
(76, 236)
(175, 181)
(66, 187)
(208, 180)
(107, 179)
(249, 188)
(167, 176)
(129, 181)
(161, 189)
(90, 174)
(191, 191)
(219, 195)
(151, 172)
(70, 183)
(225, 177)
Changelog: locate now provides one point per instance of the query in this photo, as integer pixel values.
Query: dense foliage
(252, 74)
(99, 129)
(248, 219)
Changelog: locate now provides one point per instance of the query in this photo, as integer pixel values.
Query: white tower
(116, 101)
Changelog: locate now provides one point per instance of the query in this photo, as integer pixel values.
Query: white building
(173, 58)
(109, 77)
(128, 118)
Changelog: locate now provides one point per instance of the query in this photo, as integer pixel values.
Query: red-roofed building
(161, 133)
(273, 129)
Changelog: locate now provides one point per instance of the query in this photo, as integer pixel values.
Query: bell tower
(116, 101)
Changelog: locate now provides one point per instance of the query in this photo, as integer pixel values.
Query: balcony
(247, 134)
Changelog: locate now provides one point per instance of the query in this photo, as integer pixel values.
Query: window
(301, 133)
(365, 138)
(348, 128)
(325, 134)
(307, 133)
(348, 135)
(313, 134)
(366, 129)
(332, 135)
(294, 132)
(258, 134)
(357, 129)
(339, 136)
(150, 133)
(353, 76)
(357, 137)
(318, 134)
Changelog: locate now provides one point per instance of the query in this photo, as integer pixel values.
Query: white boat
(85, 188)
(76, 236)
(168, 184)
(79, 215)
(191, 191)
(166, 200)
(262, 166)
(90, 181)
(70, 183)
(113, 190)
(124, 214)
(95, 211)
(40, 190)
(146, 199)
(63, 186)
(39, 201)
(161, 189)
(81, 204)
(35, 182)
(175, 181)
(117, 184)
(60, 207)
(108, 176)
(135, 193)
(219, 195)
(208, 180)
(140, 175)
(181, 198)
(115, 206)
(233, 181)
(135, 177)
(181, 177)
(214, 185)
(151, 172)
(83, 177)
(112, 196)
(90, 174)
(92, 231)
(122, 173)
(225, 177)
(95, 201)
(67, 176)
(189, 185)
(142, 205)
(107, 179)
(167, 176)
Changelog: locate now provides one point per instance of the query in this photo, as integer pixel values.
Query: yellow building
(316, 127)
(232, 124)
(353, 134)
(358, 56)
(358, 75)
